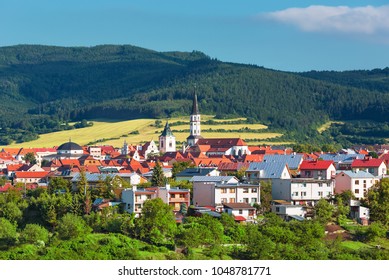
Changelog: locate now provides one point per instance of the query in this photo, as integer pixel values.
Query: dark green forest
(43, 88)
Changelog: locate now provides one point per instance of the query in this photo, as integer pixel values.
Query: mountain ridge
(54, 85)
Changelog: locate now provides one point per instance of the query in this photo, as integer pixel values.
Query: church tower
(167, 141)
(195, 126)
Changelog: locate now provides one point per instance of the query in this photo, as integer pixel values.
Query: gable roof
(31, 174)
(341, 157)
(92, 177)
(366, 163)
(195, 172)
(359, 174)
(221, 142)
(293, 161)
(316, 164)
(215, 179)
(268, 170)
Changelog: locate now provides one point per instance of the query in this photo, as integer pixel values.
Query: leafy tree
(7, 232)
(11, 212)
(183, 208)
(378, 201)
(58, 184)
(84, 193)
(158, 176)
(30, 157)
(34, 233)
(266, 196)
(157, 223)
(181, 166)
(72, 226)
(323, 211)
(375, 230)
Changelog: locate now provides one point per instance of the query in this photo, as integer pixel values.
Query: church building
(167, 141)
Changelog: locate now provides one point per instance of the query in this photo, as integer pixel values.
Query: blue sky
(278, 34)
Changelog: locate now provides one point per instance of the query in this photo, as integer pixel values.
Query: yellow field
(327, 125)
(147, 132)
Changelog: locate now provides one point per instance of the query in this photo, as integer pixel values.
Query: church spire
(195, 106)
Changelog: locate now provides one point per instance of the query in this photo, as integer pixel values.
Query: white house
(303, 191)
(242, 212)
(215, 191)
(288, 211)
(134, 199)
(259, 171)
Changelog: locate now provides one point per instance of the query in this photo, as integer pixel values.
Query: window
(320, 193)
(303, 193)
(277, 209)
(170, 144)
(182, 195)
(245, 190)
(223, 190)
(320, 185)
(240, 211)
(232, 200)
(253, 200)
(295, 193)
(254, 190)
(232, 190)
(224, 200)
(356, 182)
(356, 191)
(308, 173)
(245, 200)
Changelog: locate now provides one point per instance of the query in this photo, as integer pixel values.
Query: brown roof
(238, 206)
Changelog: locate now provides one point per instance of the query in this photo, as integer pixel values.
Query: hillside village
(211, 176)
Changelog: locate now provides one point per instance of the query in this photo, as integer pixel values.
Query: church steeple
(167, 141)
(195, 106)
(195, 126)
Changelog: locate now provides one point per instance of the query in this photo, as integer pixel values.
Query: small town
(137, 188)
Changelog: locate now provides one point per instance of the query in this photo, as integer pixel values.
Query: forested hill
(43, 87)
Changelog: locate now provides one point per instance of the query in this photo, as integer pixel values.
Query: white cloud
(344, 19)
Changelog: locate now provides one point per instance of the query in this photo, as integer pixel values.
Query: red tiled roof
(364, 163)
(31, 174)
(14, 167)
(12, 151)
(43, 150)
(221, 142)
(315, 164)
(253, 158)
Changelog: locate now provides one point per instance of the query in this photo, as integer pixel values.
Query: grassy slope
(108, 129)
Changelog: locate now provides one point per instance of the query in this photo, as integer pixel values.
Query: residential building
(375, 166)
(303, 191)
(242, 212)
(135, 198)
(215, 191)
(357, 182)
(288, 211)
(317, 169)
(260, 171)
